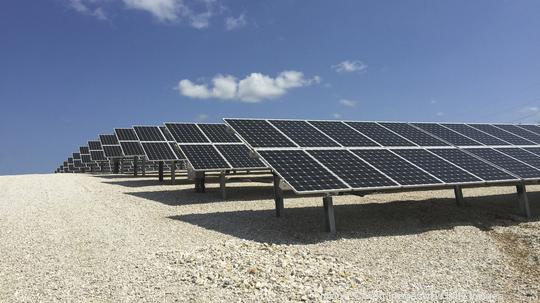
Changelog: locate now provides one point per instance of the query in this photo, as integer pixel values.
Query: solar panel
(179, 154)
(108, 139)
(534, 137)
(94, 145)
(113, 151)
(86, 159)
(355, 172)
(436, 166)
(186, 133)
(502, 134)
(447, 134)
(534, 150)
(97, 155)
(477, 167)
(343, 134)
(126, 134)
(70, 160)
(303, 134)
(77, 163)
(149, 133)
(475, 134)
(413, 134)
(204, 157)
(131, 148)
(238, 156)
(396, 168)
(532, 128)
(380, 134)
(217, 133)
(84, 150)
(166, 133)
(158, 151)
(522, 155)
(513, 166)
(301, 171)
(76, 156)
(259, 133)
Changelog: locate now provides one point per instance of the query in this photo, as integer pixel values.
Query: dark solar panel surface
(413, 134)
(522, 155)
(97, 155)
(534, 150)
(84, 150)
(166, 133)
(126, 134)
(158, 151)
(475, 134)
(179, 154)
(86, 159)
(94, 145)
(149, 133)
(501, 134)
(131, 148)
(108, 139)
(113, 151)
(186, 133)
(259, 133)
(238, 155)
(396, 168)
(343, 134)
(303, 134)
(301, 171)
(514, 166)
(76, 156)
(447, 134)
(436, 166)
(217, 133)
(203, 157)
(355, 172)
(379, 134)
(532, 128)
(533, 137)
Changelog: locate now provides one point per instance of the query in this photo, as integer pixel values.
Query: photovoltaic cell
(413, 134)
(355, 172)
(522, 155)
(446, 134)
(186, 133)
(204, 157)
(532, 128)
(238, 155)
(217, 133)
(303, 134)
(475, 134)
(158, 151)
(166, 133)
(112, 151)
(97, 155)
(108, 139)
(379, 134)
(514, 166)
(343, 134)
(436, 166)
(179, 154)
(396, 168)
(86, 159)
(126, 134)
(149, 133)
(501, 134)
(132, 148)
(76, 156)
(94, 145)
(84, 150)
(534, 150)
(301, 171)
(259, 133)
(534, 137)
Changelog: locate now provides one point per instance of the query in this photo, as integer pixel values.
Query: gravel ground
(89, 238)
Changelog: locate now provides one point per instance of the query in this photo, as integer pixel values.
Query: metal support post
(458, 191)
(160, 171)
(173, 172)
(329, 220)
(524, 208)
(278, 196)
(222, 184)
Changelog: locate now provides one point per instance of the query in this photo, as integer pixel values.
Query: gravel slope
(119, 239)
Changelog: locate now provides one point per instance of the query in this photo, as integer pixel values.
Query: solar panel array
(211, 147)
(154, 144)
(129, 142)
(111, 147)
(339, 156)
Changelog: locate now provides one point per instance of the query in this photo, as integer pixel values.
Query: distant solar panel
(77, 163)
(413, 134)
(108, 139)
(380, 134)
(259, 133)
(149, 134)
(132, 148)
(475, 134)
(126, 134)
(530, 127)
(186, 133)
(97, 155)
(217, 133)
(447, 134)
(303, 134)
(94, 145)
(179, 154)
(343, 134)
(515, 167)
(166, 133)
(238, 155)
(158, 151)
(86, 159)
(531, 136)
(84, 150)
(70, 160)
(113, 151)
(204, 157)
(502, 134)
(76, 156)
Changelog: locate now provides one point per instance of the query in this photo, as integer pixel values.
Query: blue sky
(71, 69)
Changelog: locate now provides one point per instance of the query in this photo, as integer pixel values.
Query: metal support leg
(459, 196)
(116, 166)
(143, 168)
(278, 196)
(330, 222)
(160, 171)
(135, 162)
(524, 208)
(173, 172)
(222, 185)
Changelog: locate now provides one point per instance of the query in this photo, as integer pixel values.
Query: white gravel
(88, 238)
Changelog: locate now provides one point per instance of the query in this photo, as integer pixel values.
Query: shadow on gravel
(304, 225)
(148, 182)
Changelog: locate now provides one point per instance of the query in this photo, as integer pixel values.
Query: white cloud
(336, 115)
(253, 88)
(88, 7)
(232, 23)
(350, 66)
(348, 103)
(201, 117)
(439, 114)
